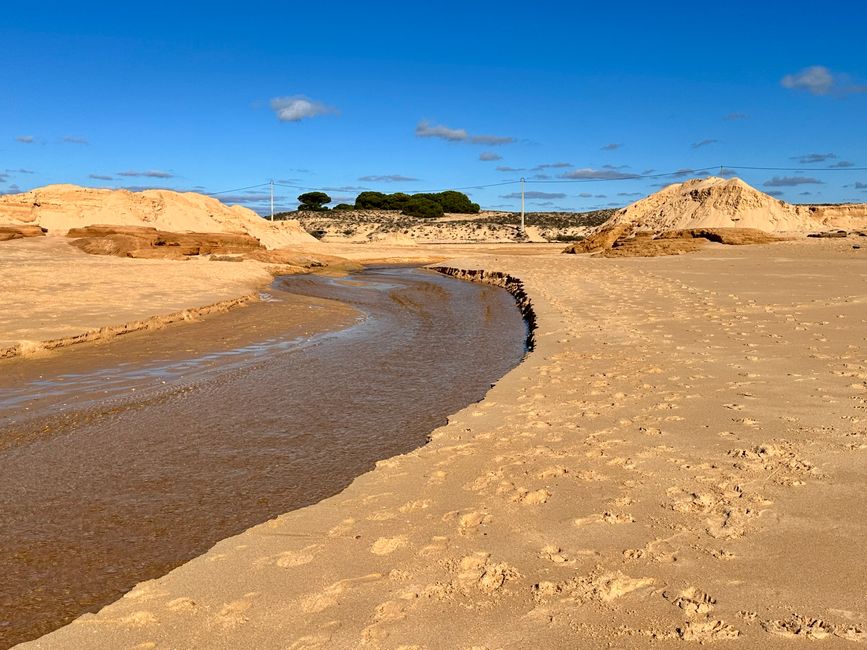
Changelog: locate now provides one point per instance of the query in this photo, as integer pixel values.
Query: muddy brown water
(123, 461)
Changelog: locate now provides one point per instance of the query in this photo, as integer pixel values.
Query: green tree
(452, 201)
(420, 206)
(371, 201)
(313, 201)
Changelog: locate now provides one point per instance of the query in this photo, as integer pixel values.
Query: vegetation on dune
(418, 205)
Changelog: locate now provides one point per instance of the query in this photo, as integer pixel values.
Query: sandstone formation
(19, 232)
(146, 242)
(620, 241)
(600, 240)
(730, 236)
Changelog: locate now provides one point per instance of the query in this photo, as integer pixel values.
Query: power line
(237, 189)
(800, 169)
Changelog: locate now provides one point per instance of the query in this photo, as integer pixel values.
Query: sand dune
(731, 203)
(61, 207)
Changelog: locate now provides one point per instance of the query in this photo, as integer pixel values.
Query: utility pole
(271, 186)
(522, 205)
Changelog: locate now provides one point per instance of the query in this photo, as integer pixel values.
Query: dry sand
(57, 208)
(681, 459)
(51, 291)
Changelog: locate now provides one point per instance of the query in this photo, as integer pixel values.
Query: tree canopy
(313, 201)
(418, 205)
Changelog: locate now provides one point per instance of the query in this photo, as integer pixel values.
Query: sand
(53, 292)
(679, 460)
(731, 203)
(58, 208)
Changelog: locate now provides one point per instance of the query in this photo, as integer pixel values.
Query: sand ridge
(685, 467)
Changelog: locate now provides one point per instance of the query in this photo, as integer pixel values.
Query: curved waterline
(123, 489)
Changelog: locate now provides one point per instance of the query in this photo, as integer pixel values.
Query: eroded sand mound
(621, 240)
(731, 203)
(146, 242)
(20, 232)
(61, 207)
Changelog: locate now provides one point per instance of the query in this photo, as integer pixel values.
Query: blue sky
(422, 96)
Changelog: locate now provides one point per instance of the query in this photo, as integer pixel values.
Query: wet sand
(679, 461)
(122, 460)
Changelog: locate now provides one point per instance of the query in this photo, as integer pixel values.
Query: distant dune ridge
(58, 208)
(731, 203)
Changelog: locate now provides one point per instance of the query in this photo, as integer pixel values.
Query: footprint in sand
(234, 614)
(330, 596)
(691, 600)
(705, 631)
(388, 545)
(289, 559)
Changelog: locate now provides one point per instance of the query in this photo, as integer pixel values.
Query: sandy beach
(680, 459)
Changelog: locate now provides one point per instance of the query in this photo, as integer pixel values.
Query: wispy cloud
(819, 80)
(505, 168)
(860, 186)
(20, 171)
(791, 181)
(534, 195)
(387, 178)
(843, 164)
(151, 173)
(589, 174)
(814, 158)
(25, 139)
(735, 117)
(298, 107)
(425, 129)
(703, 143)
(725, 172)
(611, 146)
(101, 177)
(488, 156)
(74, 139)
(682, 173)
(775, 193)
(553, 165)
(345, 188)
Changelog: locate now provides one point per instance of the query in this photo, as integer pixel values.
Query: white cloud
(819, 80)
(791, 181)
(425, 129)
(25, 139)
(588, 173)
(388, 178)
(534, 195)
(298, 107)
(488, 156)
(151, 173)
(74, 139)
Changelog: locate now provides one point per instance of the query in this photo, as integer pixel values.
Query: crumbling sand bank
(680, 459)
